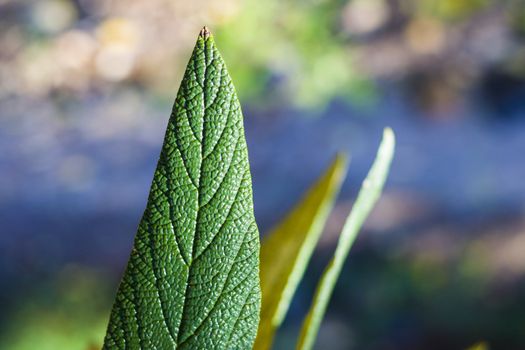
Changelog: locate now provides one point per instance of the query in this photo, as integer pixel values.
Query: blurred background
(86, 88)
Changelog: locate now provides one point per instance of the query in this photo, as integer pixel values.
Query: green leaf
(192, 280)
(285, 252)
(366, 199)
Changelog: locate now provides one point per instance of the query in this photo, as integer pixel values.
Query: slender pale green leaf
(366, 199)
(192, 280)
(286, 250)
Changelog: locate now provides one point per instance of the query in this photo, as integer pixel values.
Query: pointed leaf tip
(205, 33)
(388, 135)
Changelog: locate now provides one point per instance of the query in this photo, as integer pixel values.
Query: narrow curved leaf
(285, 252)
(366, 199)
(192, 280)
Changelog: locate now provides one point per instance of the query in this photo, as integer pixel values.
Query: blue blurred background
(86, 88)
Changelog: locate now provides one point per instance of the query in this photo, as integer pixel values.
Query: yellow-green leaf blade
(285, 252)
(366, 199)
(192, 280)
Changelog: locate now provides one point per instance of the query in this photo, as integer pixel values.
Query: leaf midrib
(192, 259)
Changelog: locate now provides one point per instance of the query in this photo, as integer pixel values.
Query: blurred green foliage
(449, 10)
(291, 49)
(70, 312)
(304, 53)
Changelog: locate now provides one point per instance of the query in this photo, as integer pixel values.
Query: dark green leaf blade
(192, 280)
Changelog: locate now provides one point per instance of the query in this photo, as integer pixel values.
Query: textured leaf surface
(192, 280)
(286, 250)
(366, 199)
